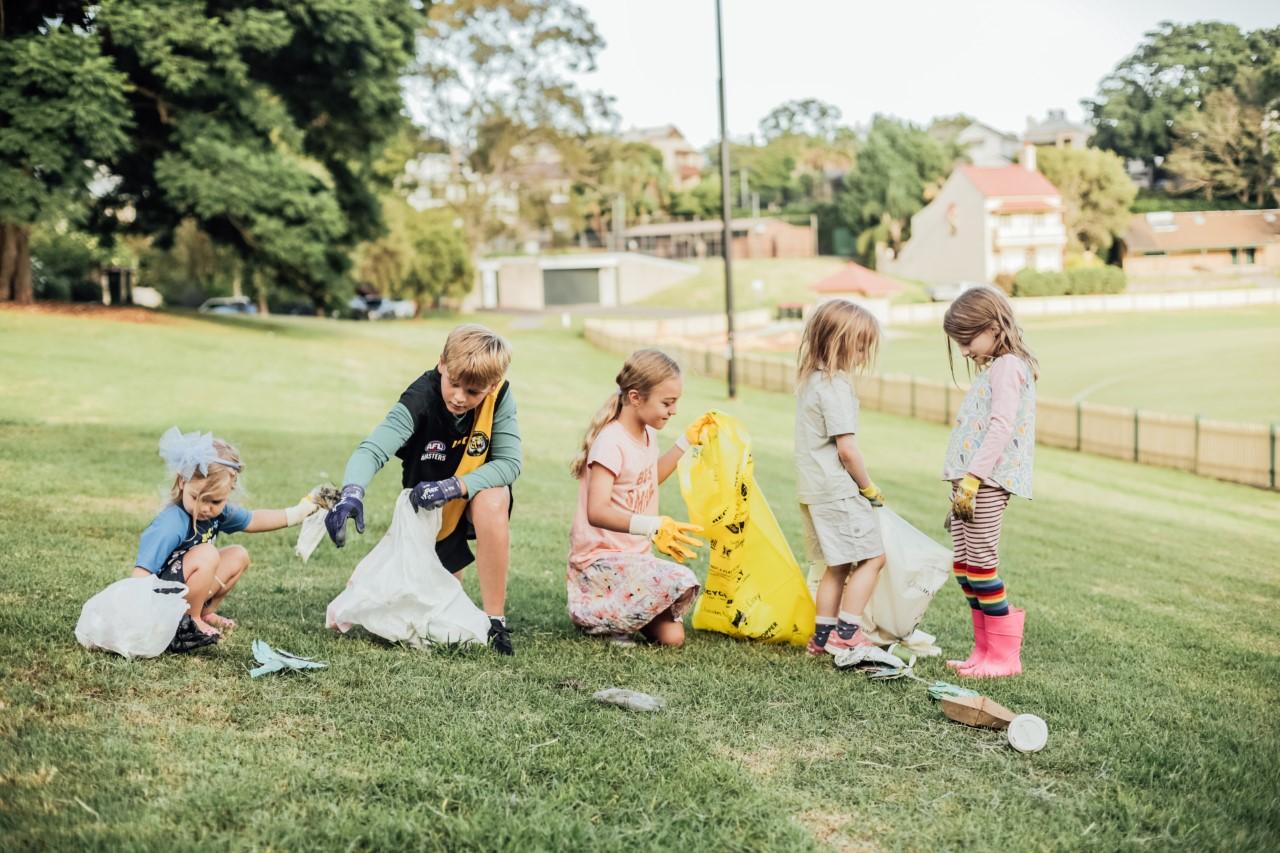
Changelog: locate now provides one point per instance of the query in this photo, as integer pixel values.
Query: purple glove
(433, 494)
(351, 504)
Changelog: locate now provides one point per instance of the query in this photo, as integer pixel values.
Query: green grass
(782, 280)
(1220, 364)
(1152, 644)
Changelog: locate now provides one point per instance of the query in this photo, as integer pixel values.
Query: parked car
(950, 290)
(228, 305)
(377, 308)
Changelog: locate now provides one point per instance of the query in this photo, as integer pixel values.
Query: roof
(855, 278)
(699, 226)
(1202, 229)
(1025, 205)
(1000, 181)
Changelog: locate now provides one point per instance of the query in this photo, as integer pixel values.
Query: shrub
(1029, 282)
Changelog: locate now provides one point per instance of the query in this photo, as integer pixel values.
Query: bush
(86, 291)
(1029, 282)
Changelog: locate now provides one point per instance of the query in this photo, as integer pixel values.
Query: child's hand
(873, 494)
(350, 506)
(962, 500)
(304, 508)
(673, 535)
(433, 494)
(693, 432)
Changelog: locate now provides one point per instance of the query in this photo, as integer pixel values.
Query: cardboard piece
(977, 711)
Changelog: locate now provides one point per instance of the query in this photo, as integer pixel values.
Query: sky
(998, 60)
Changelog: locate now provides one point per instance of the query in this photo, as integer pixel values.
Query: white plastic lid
(1028, 733)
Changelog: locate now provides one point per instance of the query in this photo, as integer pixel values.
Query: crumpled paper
(312, 531)
(277, 660)
(629, 699)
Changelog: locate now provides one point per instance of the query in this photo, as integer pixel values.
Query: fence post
(1079, 427)
(1272, 475)
(1135, 435)
(913, 395)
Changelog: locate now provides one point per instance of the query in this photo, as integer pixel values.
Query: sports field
(1152, 651)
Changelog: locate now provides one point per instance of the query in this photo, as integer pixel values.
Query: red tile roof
(999, 181)
(1204, 229)
(855, 278)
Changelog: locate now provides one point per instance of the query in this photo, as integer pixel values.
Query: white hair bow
(184, 453)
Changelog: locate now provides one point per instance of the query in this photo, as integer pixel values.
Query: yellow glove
(295, 514)
(962, 500)
(672, 537)
(873, 494)
(693, 432)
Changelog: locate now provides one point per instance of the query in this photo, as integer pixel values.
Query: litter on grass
(629, 699)
(278, 660)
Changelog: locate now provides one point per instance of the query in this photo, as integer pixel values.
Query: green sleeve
(372, 453)
(505, 457)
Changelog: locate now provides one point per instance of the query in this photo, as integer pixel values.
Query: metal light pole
(726, 211)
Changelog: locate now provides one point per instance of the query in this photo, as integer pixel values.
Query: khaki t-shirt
(826, 407)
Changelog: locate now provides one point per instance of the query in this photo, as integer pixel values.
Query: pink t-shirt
(635, 489)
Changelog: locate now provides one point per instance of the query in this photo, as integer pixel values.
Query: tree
(62, 110)
(900, 167)
(1096, 195)
(1173, 70)
(495, 85)
(423, 256)
(808, 117)
(606, 168)
(1231, 148)
(261, 122)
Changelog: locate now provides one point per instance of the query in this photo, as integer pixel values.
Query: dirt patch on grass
(120, 314)
(828, 828)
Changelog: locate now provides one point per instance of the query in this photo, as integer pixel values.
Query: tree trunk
(8, 259)
(23, 293)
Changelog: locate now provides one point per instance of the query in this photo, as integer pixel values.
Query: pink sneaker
(835, 643)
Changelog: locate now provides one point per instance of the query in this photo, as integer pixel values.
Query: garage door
(571, 287)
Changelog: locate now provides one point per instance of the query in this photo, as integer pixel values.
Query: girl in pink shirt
(617, 587)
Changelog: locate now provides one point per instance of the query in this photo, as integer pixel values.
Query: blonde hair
(642, 372)
(840, 336)
(221, 479)
(475, 356)
(980, 309)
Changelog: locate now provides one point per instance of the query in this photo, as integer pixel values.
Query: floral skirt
(621, 593)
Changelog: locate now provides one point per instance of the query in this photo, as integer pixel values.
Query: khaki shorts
(840, 532)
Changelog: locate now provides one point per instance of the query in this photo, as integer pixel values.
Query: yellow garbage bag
(754, 586)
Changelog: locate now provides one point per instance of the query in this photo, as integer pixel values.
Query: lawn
(781, 280)
(1152, 648)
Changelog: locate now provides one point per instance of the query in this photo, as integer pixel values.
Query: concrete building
(607, 279)
(683, 162)
(752, 238)
(988, 146)
(1202, 241)
(1057, 130)
(985, 221)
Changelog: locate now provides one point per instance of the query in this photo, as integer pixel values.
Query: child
(455, 430)
(835, 491)
(988, 459)
(616, 586)
(180, 544)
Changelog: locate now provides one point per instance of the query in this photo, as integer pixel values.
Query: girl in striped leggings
(988, 460)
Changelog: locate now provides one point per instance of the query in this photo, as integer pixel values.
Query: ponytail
(607, 414)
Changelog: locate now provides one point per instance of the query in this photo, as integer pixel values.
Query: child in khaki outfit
(835, 491)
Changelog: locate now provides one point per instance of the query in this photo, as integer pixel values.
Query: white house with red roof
(985, 221)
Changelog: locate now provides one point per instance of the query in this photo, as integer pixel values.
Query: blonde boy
(456, 434)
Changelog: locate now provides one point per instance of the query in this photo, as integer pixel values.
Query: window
(1249, 255)
(1235, 256)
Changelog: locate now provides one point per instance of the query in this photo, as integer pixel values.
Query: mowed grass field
(1153, 601)
(1219, 364)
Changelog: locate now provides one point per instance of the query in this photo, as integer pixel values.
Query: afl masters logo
(478, 445)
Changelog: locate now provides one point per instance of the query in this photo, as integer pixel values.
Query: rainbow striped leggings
(977, 551)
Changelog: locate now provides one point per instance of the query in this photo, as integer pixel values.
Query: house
(752, 238)
(1201, 241)
(1057, 130)
(683, 162)
(857, 283)
(984, 222)
(537, 282)
(987, 146)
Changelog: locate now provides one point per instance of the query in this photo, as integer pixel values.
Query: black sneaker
(188, 637)
(500, 637)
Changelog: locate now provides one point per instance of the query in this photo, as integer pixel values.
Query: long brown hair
(642, 372)
(977, 310)
(840, 336)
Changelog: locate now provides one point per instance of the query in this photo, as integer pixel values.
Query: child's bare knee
(235, 557)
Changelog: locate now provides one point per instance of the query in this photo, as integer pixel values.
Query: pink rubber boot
(1004, 647)
(979, 643)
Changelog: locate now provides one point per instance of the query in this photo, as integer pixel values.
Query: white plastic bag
(311, 533)
(915, 568)
(133, 617)
(402, 593)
